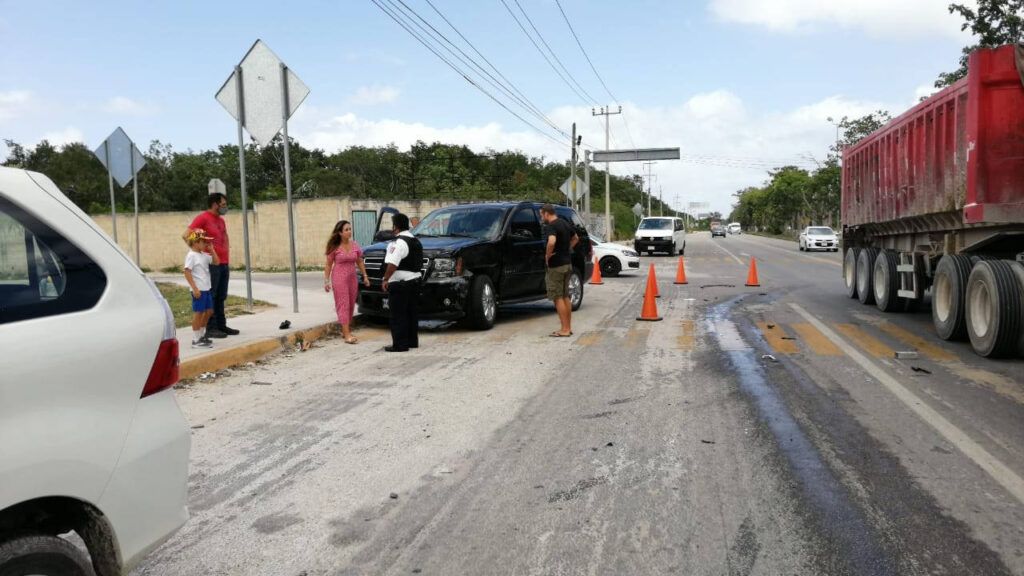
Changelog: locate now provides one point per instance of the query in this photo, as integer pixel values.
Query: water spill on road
(840, 521)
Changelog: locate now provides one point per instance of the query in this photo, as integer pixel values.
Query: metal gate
(364, 224)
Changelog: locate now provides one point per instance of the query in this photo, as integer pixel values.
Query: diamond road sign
(581, 188)
(116, 153)
(261, 93)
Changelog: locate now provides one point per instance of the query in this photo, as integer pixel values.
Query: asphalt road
(762, 430)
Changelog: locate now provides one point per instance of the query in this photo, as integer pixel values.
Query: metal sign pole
(110, 178)
(586, 185)
(135, 192)
(288, 186)
(245, 201)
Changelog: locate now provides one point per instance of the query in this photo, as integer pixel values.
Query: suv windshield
(656, 224)
(469, 221)
(821, 231)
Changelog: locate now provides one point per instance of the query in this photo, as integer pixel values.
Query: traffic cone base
(752, 274)
(649, 313)
(681, 272)
(595, 278)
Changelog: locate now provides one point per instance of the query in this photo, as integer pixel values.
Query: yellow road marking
(774, 337)
(686, 337)
(815, 340)
(868, 343)
(590, 338)
(924, 346)
(637, 337)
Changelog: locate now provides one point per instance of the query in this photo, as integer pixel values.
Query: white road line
(999, 472)
(799, 254)
(720, 247)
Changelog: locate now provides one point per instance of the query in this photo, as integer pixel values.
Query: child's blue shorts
(203, 303)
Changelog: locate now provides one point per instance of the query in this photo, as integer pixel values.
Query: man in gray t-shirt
(561, 239)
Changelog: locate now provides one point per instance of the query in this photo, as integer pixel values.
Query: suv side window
(525, 221)
(41, 273)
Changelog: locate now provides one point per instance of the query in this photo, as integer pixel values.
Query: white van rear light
(164, 372)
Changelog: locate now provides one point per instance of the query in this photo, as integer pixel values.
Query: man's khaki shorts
(558, 282)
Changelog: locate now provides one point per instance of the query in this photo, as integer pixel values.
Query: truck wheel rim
(488, 303)
(981, 309)
(943, 297)
(880, 281)
(575, 293)
(850, 278)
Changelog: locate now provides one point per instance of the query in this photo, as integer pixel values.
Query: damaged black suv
(476, 258)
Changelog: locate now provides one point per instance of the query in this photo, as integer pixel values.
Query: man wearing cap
(401, 282)
(212, 221)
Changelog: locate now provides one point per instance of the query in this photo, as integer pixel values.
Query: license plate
(384, 303)
(650, 247)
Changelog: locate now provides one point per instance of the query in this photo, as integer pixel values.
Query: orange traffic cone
(649, 313)
(595, 278)
(681, 272)
(657, 294)
(752, 275)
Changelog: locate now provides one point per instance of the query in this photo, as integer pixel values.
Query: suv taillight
(164, 372)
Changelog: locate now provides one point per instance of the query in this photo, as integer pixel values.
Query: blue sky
(735, 83)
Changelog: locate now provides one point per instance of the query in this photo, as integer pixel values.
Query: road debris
(198, 426)
(771, 326)
(285, 325)
(788, 338)
(768, 357)
(259, 383)
(921, 370)
(393, 496)
(703, 441)
(906, 355)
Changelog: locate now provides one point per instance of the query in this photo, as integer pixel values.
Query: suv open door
(385, 226)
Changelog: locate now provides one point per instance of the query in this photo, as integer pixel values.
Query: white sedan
(614, 258)
(818, 238)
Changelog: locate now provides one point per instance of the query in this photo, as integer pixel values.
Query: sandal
(352, 340)
(559, 335)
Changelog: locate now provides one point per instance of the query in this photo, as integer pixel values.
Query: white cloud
(127, 107)
(66, 136)
(924, 91)
(725, 146)
(371, 95)
(876, 17)
(13, 103)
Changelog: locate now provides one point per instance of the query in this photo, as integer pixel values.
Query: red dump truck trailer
(933, 203)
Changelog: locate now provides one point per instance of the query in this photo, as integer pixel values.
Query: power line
(594, 68)
(493, 67)
(467, 60)
(553, 55)
(460, 72)
(535, 45)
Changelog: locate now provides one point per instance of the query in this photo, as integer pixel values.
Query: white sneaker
(202, 344)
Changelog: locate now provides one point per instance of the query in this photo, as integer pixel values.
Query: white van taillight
(164, 372)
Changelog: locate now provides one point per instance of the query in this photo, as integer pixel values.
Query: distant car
(614, 258)
(718, 230)
(660, 234)
(93, 440)
(735, 228)
(818, 238)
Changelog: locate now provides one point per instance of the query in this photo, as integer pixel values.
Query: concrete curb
(256, 349)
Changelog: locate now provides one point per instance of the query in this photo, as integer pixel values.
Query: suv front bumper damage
(440, 299)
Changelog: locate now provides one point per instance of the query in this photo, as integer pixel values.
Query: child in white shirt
(197, 273)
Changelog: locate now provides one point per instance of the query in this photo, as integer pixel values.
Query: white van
(93, 441)
(660, 234)
(735, 228)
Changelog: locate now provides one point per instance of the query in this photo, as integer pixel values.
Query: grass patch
(791, 236)
(180, 299)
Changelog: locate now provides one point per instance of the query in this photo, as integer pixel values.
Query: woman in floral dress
(343, 255)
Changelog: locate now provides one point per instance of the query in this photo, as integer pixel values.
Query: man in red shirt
(212, 221)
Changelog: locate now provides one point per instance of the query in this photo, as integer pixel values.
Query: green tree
(994, 23)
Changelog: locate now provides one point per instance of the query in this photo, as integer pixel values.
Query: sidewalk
(260, 333)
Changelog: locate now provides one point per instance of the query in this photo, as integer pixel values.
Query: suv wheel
(483, 304)
(43, 555)
(576, 289)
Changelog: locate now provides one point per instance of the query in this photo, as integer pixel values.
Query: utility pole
(661, 199)
(572, 168)
(606, 112)
(649, 164)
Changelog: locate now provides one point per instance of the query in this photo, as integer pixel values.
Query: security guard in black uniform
(402, 284)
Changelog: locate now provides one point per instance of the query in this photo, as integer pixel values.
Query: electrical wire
(548, 60)
(394, 16)
(553, 55)
(467, 60)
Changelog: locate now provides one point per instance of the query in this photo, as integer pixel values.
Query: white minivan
(92, 441)
(660, 234)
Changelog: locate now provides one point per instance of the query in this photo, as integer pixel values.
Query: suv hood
(433, 246)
